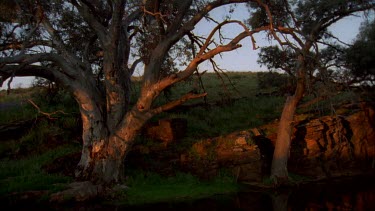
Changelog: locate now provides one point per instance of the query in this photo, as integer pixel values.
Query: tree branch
(177, 32)
(28, 70)
(90, 18)
(213, 32)
(178, 102)
(26, 59)
(22, 45)
(117, 13)
(189, 70)
(134, 65)
(184, 7)
(49, 115)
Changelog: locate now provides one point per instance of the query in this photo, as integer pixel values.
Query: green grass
(24, 112)
(16, 94)
(59, 102)
(244, 112)
(153, 188)
(26, 174)
(220, 120)
(330, 105)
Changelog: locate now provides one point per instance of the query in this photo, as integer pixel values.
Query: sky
(244, 58)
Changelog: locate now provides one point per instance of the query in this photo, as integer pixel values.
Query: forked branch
(49, 115)
(178, 102)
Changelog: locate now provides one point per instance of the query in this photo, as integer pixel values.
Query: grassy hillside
(231, 104)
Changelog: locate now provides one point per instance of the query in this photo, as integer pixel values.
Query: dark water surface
(344, 194)
(354, 193)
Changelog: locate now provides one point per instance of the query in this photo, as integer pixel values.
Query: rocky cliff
(322, 147)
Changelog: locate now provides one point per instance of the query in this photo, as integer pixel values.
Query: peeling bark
(104, 150)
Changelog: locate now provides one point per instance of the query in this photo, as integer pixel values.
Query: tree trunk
(279, 168)
(279, 171)
(104, 149)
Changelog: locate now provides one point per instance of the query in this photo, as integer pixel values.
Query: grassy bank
(27, 174)
(146, 187)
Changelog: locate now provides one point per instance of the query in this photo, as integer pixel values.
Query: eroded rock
(166, 130)
(236, 152)
(334, 146)
(323, 147)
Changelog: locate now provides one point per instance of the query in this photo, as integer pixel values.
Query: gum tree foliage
(297, 26)
(92, 48)
(360, 56)
(272, 79)
(326, 66)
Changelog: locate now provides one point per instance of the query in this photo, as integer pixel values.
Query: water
(345, 194)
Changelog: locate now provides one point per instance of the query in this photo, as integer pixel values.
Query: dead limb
(48, 115)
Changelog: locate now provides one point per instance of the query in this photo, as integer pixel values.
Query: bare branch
(22, 45)
(177, 31)
(232, 45)
(49, 115)
(157, 15)
(90, 18)
(10, 82)
(33, 58)
(134, 65)
(27, 70)
(178, 102)
(220, 71)
(208, 40)
(337, 39)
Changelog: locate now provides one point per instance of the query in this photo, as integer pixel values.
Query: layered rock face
(324, 147)
(166, 130)
(334, 146)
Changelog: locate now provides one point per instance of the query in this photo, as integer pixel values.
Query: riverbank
(344, 193)
(208, 155)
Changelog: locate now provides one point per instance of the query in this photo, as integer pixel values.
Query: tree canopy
(360, 56)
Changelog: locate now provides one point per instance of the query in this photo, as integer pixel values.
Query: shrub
(270, 80)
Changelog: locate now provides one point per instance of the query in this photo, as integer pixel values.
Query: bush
(40, 134)
(272, 80)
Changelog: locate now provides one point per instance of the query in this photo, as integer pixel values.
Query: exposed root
(280, 182)
(85, 191)
(78, 192)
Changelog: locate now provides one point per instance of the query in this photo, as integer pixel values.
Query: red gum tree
(87, 46)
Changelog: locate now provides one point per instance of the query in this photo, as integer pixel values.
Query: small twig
(49, 115)
(155, 14)
(220, 71)
(10, 81)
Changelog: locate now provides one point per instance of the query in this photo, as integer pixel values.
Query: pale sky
(245, 58)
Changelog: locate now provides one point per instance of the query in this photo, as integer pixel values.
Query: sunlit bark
(279, 168)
